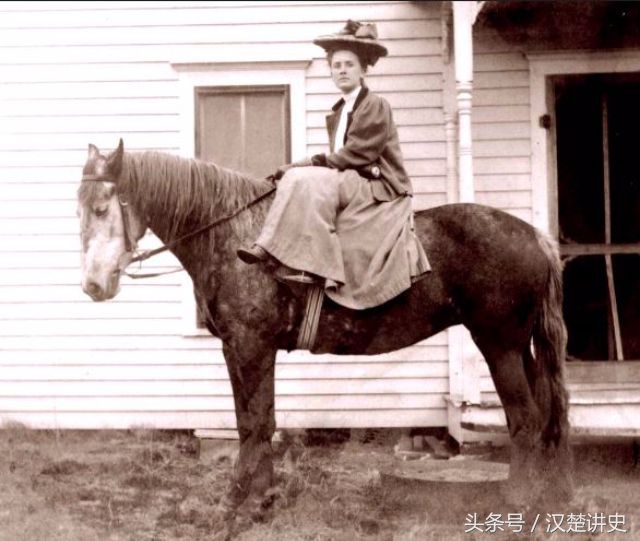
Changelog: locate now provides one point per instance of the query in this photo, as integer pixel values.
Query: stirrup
(297, 278)
(419, 277)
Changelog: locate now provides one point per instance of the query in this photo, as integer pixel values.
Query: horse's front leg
(251, 371)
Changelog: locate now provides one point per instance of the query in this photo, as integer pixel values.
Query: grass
(152, 485)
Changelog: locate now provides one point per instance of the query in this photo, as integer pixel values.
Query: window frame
(192, 75)
(201, 91)
(243, 92)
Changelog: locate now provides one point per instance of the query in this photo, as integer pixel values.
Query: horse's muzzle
(101, 293)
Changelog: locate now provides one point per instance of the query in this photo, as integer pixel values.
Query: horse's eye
(100, 211)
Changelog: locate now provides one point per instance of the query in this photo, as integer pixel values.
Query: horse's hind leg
(523, 421)
(555, 455)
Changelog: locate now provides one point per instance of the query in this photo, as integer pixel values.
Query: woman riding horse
(345, 218)
(490, 271)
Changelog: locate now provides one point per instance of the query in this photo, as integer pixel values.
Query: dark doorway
(598, 157)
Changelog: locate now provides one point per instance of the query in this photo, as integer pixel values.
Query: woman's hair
(362, 58)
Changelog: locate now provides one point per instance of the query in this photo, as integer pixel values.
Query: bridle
(131, 244)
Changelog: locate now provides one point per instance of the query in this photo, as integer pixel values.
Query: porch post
(464, 380)
(464, 14)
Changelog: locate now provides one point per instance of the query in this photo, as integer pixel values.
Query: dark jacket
(371, 139)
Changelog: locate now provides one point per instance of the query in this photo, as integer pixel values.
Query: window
(244, 128)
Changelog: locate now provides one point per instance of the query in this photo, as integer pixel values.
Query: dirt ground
(153, 485)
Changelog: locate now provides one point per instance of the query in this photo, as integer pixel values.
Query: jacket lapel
(332, 122)
(361, 96)
(333, 118)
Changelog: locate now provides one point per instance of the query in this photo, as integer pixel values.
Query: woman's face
(346, 70)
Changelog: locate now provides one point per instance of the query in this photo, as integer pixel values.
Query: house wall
(501, 127)
(75, 73)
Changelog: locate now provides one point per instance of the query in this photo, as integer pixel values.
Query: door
(598, 171)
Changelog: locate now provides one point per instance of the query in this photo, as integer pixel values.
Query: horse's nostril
(93, 289)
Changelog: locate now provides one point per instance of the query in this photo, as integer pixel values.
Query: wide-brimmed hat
(362, 38)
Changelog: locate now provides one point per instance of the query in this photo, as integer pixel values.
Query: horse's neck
(173, 207)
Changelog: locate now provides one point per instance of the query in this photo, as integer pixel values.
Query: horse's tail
(549, 344)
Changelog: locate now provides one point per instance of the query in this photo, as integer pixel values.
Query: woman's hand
(281, 171)
(305, 162)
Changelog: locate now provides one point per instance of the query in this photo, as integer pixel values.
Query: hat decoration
(362, 38)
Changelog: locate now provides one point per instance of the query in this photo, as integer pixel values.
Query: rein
(130, 245)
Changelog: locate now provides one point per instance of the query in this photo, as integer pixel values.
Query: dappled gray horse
(491, 272)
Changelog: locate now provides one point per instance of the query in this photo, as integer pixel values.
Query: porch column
(464, 357)
(464, 15)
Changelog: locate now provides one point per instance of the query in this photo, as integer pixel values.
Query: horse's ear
(93, 152)
(114, 161)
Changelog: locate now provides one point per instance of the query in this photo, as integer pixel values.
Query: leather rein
(131, 244)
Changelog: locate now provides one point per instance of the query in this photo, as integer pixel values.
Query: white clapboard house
(532, 82)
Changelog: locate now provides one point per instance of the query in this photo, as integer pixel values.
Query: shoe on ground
(252, 255)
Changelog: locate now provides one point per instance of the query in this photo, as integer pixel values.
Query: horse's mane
(177, 192)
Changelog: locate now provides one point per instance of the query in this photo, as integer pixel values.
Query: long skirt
(327, 222)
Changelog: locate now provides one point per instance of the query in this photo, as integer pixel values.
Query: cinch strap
(309, 325)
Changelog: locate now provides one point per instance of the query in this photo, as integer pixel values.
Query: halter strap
(129, 242)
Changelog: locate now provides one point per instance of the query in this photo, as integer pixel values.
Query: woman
(346, 217)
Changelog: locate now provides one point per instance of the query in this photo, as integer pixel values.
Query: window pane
(265, 135)
(220, 136)
(244, 128)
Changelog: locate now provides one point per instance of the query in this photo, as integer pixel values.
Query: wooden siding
(501, 126)
(75, 73)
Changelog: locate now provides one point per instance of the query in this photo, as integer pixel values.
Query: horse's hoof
(257, 509)
(224, 534)
(226, 508)
(558, 494)
(515, 495)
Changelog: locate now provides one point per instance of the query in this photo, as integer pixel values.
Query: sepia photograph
(291, 270)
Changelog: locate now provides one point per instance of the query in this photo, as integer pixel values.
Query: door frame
(543, 155)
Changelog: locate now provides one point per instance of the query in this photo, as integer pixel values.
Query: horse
(493, 273)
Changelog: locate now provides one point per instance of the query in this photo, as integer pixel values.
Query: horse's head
(109, 227)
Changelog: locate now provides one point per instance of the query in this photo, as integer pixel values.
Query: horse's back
(484, 256)
(470, 229)
(470, 217)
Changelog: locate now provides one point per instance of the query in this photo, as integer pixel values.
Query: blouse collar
(351, 97)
